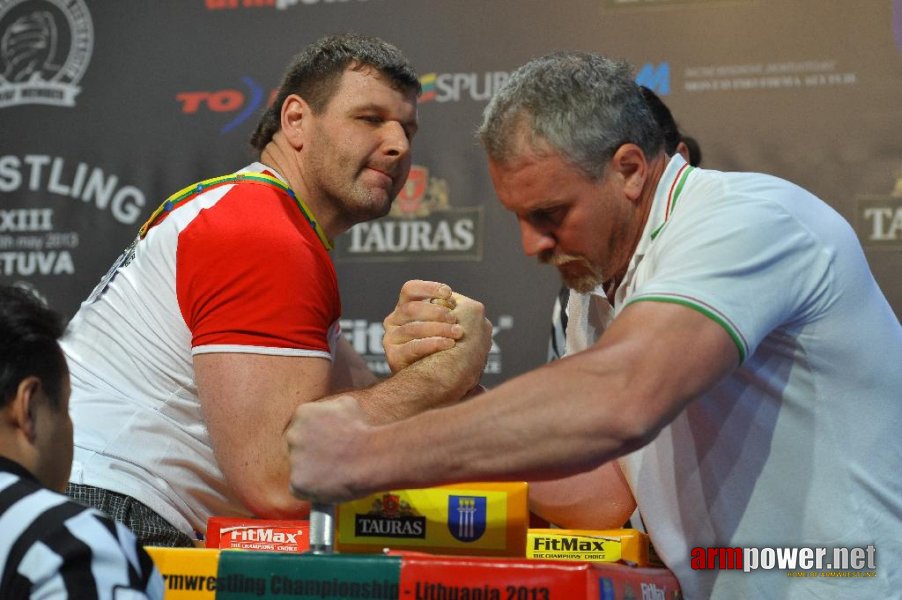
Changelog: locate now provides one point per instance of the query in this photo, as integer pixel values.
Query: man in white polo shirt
(732, 367)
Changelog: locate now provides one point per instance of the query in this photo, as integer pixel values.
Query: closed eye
(547, 216)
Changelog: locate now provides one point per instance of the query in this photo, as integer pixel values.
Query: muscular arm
(248, 401)
(349, 371)
(597, 499)
(564, 418)
(425, 383)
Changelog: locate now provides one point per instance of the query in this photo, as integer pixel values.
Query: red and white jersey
(232, 266)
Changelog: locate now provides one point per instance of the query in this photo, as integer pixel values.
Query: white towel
(588, 315)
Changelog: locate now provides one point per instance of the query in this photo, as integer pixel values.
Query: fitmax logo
(366, 338)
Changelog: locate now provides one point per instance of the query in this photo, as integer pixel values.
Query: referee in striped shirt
(51, 547)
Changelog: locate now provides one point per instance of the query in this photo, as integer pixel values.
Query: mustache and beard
(578, 273)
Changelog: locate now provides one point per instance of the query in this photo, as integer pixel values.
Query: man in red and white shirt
(191, 355)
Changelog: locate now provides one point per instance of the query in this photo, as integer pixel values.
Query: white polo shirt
(797, 447)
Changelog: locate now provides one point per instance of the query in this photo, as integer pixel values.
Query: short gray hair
(583, 106)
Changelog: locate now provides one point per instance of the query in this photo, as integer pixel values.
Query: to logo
(226, 101)
(466, 517)
(45, 48)
(656, 78)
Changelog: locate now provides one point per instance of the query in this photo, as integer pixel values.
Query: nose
(534, 239)
(396, 143)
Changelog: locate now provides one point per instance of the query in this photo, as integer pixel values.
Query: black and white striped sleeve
(557, 344)
(52, 547)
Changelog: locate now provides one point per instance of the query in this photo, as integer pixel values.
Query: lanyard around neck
(192, 191)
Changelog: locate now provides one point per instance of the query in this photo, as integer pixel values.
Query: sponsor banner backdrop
(107, 108)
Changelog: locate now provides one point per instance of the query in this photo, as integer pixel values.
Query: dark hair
(695, 151)
(669, 127)
(28, 344)
(664, 118)
(314, 75)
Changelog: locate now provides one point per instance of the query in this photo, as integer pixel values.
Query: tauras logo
(45, 50)
(879, 222)
(399, 527)
(392, 517)
(422, 225)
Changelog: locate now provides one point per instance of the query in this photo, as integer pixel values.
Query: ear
(293, 120)
(21, 411)
(630, 165)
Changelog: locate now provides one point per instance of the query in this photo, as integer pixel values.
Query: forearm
(542, 425)
(261, 482)
(595, 499)
(349, 370)
(410, 392)
(565, 418)
(571, 415)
